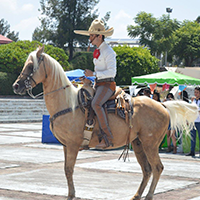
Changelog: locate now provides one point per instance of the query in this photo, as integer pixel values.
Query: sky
(23, 15)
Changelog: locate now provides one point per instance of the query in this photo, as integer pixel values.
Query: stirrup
(105, 143)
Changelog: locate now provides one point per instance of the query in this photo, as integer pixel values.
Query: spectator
(140, 93)
(156, 96)
(184, 96)
(197, 123)
(147, 92)
(171, 133)
(169, 96)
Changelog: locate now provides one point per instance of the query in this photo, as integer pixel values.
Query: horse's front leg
(70, 153)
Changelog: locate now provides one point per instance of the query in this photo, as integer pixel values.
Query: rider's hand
(88, 72)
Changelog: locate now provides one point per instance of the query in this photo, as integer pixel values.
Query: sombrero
(96, 27)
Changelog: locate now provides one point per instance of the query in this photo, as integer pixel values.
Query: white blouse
(198, 104)
(105, 64)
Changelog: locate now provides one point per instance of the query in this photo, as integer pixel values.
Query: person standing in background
(156, 96)
(197, 123)
(147, 92)
(184, 96)
(171, 134)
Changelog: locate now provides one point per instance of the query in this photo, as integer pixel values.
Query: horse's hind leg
(146, 168)
(156, 166)
(70, 153)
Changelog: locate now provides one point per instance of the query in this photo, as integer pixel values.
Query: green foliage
(59, 55)
(154, 33)
(133, 61)
(187, 42)
(198, 19)
(82, 60)
(6, 81)
(14, 55)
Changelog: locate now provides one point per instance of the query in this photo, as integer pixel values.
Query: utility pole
(168, 10)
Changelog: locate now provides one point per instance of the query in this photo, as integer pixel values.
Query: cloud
(12, 6)
(120, 31)
(26, 27)
(28, 7)
(120, 21)
(121, 15)
(8, 5)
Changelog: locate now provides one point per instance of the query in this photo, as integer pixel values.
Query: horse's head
(31, 74)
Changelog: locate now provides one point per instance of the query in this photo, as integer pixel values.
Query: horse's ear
(40, 51)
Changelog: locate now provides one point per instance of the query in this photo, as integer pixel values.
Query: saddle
(119, 104)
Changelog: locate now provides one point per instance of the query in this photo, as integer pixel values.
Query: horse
(149, 120)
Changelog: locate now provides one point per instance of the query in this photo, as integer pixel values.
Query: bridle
(29, 88)
(29, 77)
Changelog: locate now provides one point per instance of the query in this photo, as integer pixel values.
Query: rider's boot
(106, 141)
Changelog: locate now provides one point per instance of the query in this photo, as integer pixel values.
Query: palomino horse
(150, 119)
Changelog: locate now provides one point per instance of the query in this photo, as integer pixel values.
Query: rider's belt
(105, 80)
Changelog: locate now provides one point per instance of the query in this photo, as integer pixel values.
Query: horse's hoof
(136, 198)
(71, 198)
(150, 197)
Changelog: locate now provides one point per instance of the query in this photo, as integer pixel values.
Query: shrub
(82, 60)
(14, 55)
(134, 61)
(6, 81)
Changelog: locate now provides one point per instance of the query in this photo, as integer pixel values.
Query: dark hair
(140, 92)
(185, 96)
(158, 95)
(171, 95)
(197, 88)
(147, 90)
(103, 37)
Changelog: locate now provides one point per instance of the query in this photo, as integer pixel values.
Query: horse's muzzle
(17, 89)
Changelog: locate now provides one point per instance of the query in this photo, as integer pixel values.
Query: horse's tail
(182, 115)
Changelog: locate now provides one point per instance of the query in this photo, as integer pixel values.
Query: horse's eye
(30, 67)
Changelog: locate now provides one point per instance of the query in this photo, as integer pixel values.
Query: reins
(42, 93)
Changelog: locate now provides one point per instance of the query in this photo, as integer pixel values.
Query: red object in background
(96, 53)
(4, 40)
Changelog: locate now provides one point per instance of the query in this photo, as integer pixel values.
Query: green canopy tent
(167, 77)
(173, 79)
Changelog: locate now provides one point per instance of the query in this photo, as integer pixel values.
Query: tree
(62, 17)
(154, 33)
(198, 19)
(134, 61)
(187, 42)
(145, 29)
(5, 31)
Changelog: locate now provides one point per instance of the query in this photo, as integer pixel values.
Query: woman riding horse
(105, 72)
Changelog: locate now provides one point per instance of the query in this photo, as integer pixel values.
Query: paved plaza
(32, 170)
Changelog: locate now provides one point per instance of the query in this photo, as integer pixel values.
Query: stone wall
(21, 110)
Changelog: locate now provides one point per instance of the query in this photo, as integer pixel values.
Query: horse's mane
(58, 73)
